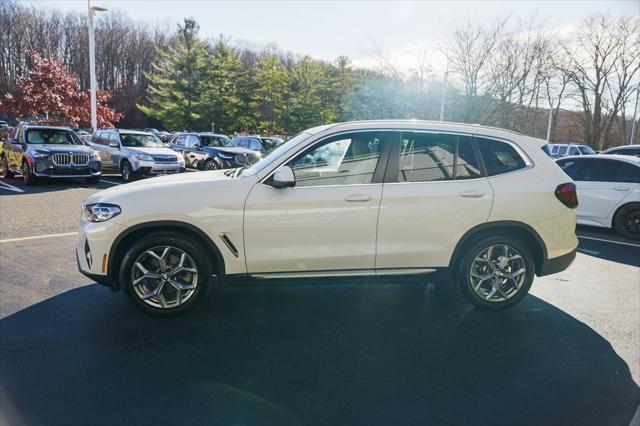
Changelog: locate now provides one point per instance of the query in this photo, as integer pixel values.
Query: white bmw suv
(485, 208)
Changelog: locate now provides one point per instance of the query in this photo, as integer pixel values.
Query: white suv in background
(484, 207)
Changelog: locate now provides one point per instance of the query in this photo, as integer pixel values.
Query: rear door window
(571, 167)
(499, 157)
(601, 171)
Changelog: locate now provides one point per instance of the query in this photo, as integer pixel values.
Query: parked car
(210, 151)
(608, 190)
(48, 152)
(561, 150)
(484, 207)
(633, 150)
(271, 142)
(252, 142)
(135, 154)
(83, 135)
(161, 134)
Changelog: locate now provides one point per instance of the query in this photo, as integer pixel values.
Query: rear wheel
(165, 274)
(496, 272)
(627, 221)
(6, 172)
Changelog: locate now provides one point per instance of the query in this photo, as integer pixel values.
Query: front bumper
(149, 168)
(93, 250)
(48, 169)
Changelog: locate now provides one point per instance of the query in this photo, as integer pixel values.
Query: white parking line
(609, 241)
(110, 182)
(10, 187)
(38, 237)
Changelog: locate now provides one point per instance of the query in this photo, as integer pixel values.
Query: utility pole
(635, 120)
(549, 124)
(444, 93)
(92, 64)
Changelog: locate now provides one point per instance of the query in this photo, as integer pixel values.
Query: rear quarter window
(499, 157)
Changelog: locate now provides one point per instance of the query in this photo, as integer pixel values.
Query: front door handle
(622, 188)
(357, 198)
(472, 194)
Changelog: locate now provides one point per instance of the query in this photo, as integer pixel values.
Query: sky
(401, 30)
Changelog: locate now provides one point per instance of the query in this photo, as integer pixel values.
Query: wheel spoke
(153, 293)
(513, 275)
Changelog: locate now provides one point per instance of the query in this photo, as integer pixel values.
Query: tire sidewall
(129, 176)
(618, 225)
(462, 274)
(194, 250)
(210, 161)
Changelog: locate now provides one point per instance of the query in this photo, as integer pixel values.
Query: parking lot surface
(72, 352)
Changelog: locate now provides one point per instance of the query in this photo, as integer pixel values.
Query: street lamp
(92, 64)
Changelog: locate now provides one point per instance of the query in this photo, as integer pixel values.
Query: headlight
(143, 157)
(95, 156)
(39, 154)
(225, 156)
(101, 212)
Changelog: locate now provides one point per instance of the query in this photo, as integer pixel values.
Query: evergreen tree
(177, 81)
(272, 81)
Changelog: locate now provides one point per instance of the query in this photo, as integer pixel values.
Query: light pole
(444, 93)
(92, 64)
(635, 120)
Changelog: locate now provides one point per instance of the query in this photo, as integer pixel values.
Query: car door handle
(622, 188)
(357, 198)
(472, 194)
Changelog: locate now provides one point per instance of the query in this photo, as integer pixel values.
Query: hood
(162, 183)
(234, 150)
(76, 149)
(157, 151)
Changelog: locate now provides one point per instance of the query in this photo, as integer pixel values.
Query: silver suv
(135, 154)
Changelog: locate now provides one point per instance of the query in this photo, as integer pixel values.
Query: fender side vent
(229, 244)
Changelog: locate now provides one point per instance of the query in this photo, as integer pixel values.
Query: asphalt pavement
(360, 353)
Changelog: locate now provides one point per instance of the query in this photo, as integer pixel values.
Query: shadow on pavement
(626, 254)
(52, 185)
(312, 355)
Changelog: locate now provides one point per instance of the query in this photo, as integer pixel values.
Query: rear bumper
(557, 264)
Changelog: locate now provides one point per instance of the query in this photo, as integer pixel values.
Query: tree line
(502, 73)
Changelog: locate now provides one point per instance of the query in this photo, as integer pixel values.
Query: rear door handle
(621, 188)
(472, 194)
(357, 198)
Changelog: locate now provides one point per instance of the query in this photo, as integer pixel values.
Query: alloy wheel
(498, 272)
(210, 165)
(126, 172)
(631, 221)
(164, 277)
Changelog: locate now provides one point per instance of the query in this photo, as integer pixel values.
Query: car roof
(38, 126)
(625, 158)
(205, 134)
(130, 132)
(622, 147)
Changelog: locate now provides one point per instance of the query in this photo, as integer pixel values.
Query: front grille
(70, 172)
(68, 159)
(165, 158)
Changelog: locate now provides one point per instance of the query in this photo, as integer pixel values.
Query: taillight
(567, 194)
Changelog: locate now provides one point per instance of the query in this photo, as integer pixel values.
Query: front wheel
(27, 175)
(210, 164)
(165, 274)
(627, 221)
(6, 171)
(127, 172)
(496, 273)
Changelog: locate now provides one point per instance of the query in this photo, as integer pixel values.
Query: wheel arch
(515, 228)
(121, 243)
(617, 210)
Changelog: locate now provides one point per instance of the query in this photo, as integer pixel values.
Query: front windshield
(586, 150)
(273, 155)
(52, 137)
(214, 141)
(140, 141)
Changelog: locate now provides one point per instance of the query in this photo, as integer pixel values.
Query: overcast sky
(328, 29)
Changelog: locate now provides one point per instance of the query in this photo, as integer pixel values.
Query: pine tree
(272, 80)
(177, 81)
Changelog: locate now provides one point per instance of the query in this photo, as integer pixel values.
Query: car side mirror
(283, 178)
(114, 144)
(198, 147)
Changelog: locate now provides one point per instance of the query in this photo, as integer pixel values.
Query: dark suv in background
(211, 151)
(48, 152)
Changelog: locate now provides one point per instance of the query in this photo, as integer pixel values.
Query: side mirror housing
(283, 178)
(114, 144)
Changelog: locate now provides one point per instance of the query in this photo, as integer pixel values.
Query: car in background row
(135, 154)
(608, 191)
(83, 135)
(211, 151)
(560, 150)
(633, 150)
(271, 142)
(48, 152)
(251, 142)
(161, 134)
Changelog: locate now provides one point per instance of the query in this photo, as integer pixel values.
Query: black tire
(27, 175)
(93, 180)
(128, 175)
(479, 247)
(6, 172)
(210, 164)
(626, 221)
(194, 251)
